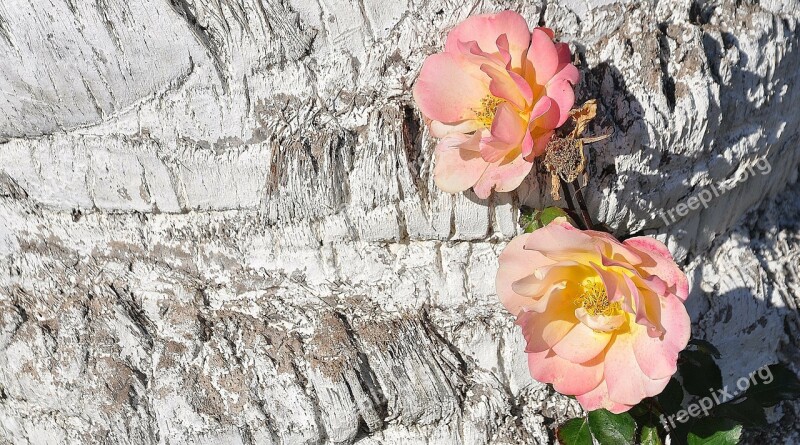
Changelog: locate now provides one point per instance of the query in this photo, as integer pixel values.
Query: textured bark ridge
(218, 223)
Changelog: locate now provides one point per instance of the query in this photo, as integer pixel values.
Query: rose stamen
(594, 300)
(485, 114)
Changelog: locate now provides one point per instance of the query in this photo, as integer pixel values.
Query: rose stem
(571, 205)
(579, 197)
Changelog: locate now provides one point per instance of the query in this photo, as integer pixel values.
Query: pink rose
(494, 97)
(603, 320)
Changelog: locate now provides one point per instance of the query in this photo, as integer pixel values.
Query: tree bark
(218, 222)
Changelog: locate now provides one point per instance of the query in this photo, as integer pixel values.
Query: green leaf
(699, 371)
(529, 219)
(775, 383)
(705, 346)
(671, 399)
(574, 432)
(649, 436)
(745, 411)
(714, 431)
(548, 214)
(612, 429)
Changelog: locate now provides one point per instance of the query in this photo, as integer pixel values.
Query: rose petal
(485, 29)
(457, 169)
(504, 175)
(543, 330)
(582, 344)
(542, 56)
(662, 264)
(566, 377)
(563, 96)
(599, 398)
(515, 262)
(440, 130)
(658, 357)
(449, 89)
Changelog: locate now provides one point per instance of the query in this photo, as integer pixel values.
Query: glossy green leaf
(714, 431)
(529, 219)
(774, 384)
(548, 214)
(700, 372)
(612, 429)
(649, 436)
(574, 432)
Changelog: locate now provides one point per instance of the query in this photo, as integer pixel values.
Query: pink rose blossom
(603, 320)
(494, 97)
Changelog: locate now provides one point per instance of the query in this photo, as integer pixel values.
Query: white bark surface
(218, 224)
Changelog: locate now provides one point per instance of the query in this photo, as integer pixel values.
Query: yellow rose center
(594, 299)
(485, 114)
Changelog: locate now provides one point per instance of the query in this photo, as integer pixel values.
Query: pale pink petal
(515, 262)
(566, 377)
(449, 89)
(527, 146)
(559, 242)
(545, 114)
(503, 49)
(661, 264)
(569, 73)
(440, 129)
(540, 144)
(563, 96)
(508, 126)
(647, 302)
(493, 150)
(504, 175)
(599, 398)
(457, 169)
(616, 288)
(582, 344)
(658, 357)
(543, 330)
(485, 29)
(503, 86)
(614, 251)
(625, 380)
(542, 56)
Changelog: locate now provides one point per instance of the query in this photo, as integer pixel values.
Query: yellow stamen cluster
(594, 299)
(485, 114)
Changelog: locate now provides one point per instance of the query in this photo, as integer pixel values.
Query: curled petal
(486, 28)
(516, 263)
(661, 264)
(563, 96)
(543, 56)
